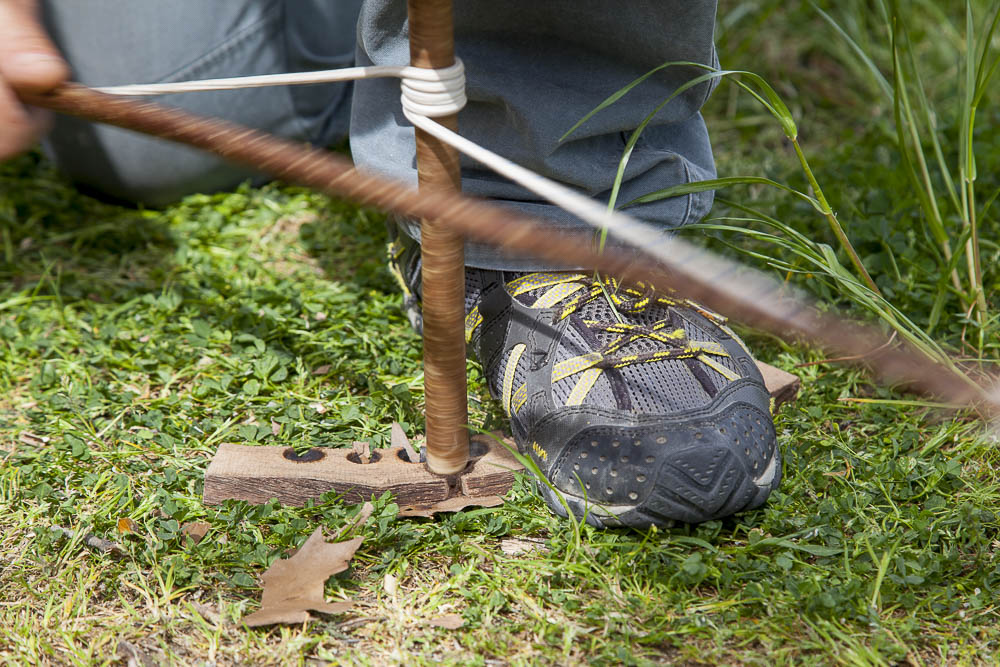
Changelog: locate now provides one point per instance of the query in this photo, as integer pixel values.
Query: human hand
(28, 62)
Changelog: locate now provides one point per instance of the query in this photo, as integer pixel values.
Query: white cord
(620, 225)
(430, 93)
(682, 256)
(260, 81)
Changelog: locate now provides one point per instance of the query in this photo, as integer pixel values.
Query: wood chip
(196, 530)
(363, 450)
(390, 584)
(322, 370)
(275, 427)
(294, 586)
(516, 546)
(782, 385)
(455, 504)
(359, 520)
(399, 439)
(28, 438)
(448, 622)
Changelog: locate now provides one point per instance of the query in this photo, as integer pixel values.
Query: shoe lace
(572, 291)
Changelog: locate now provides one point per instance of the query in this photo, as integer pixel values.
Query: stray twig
(93, 541)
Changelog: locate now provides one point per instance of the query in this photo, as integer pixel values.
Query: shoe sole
(694, 485)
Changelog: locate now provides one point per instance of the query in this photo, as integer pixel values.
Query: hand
(28, 62)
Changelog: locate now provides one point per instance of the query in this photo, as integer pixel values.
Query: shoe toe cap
(689, 470)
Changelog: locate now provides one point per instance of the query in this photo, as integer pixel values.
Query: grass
(133, 342)
(918, 141)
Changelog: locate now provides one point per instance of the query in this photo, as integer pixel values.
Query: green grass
(132, 343)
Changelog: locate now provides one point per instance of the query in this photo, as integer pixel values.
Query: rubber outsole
(695, 485)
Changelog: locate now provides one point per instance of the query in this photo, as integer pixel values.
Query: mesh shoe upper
(639, 407)
(621, 346)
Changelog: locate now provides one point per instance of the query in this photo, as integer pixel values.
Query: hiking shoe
(639, 407)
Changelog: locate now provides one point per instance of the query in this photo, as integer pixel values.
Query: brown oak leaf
(294, 586)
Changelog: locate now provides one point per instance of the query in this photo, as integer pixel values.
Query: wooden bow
(449, 217)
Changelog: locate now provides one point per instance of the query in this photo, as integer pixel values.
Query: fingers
(19, 129)
(29, 62)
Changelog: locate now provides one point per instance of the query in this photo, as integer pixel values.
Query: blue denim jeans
(534, 68)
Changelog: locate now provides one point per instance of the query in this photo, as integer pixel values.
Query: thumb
(28, 60)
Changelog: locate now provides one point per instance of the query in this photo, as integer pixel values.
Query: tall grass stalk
(763, 93)
(918, 134)
(951, 220)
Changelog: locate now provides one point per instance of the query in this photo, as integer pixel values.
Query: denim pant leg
(534, 68)
(113, 42)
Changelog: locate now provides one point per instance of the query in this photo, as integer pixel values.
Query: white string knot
(433, 93)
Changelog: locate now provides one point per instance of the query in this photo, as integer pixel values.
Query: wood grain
(258, 474)
(442, 252)
(782, 385)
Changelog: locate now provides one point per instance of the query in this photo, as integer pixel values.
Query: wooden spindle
(432, 45)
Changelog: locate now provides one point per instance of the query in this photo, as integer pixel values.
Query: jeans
(534, 68)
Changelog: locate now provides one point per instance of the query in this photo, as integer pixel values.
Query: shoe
(639, 408)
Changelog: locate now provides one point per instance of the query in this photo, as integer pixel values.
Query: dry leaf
(448, 622)
(322, 370)
(363, 450)
(127, 525)
(318, 407)
(196, 530)
(451, 505)
(295, 585)
(399, 439)
(275, 427)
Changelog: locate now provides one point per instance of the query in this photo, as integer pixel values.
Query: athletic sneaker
(639, 407)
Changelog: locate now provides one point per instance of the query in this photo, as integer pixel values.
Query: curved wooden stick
(443, 260)
(747, 298)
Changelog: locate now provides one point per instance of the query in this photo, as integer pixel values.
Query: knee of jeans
(134, 168)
